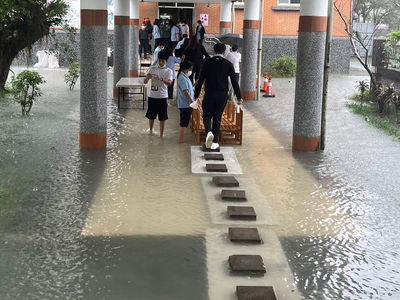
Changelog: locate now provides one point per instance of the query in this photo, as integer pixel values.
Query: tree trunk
(5, 64)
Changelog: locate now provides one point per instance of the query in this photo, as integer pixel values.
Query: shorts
(157, 106)
(185, 116)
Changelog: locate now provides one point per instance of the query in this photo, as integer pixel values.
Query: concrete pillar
(121, 41)
(93, 103)
(225, 24)
(134, 39)
(251, 29)
(310, 70)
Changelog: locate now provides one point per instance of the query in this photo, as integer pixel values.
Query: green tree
(22, 23)
(377, 12)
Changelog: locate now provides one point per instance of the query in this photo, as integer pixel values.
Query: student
(159, 48)
(235, 58)
(181, 46)
(160, 77)
(184, 28)
(165, 31)
(156, 33)
(171, 62)
(215, 74)
(200, 31)
(195, 53)
(144, 42)
(185, 97)
(175, 34)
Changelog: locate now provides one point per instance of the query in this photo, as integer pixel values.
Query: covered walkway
(111, 224)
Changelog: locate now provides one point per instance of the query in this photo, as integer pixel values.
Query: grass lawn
(386, 122)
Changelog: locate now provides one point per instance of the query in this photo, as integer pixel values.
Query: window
(288, 2)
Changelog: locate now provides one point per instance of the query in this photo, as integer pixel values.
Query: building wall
(148, 10)
(213, 11)
(277, 22)
(286, 22)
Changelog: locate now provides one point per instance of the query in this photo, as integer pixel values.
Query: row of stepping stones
(242, 264)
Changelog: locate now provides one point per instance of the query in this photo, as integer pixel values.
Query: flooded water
(131, 222)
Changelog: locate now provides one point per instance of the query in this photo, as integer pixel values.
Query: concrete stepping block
(247, 264)
(205, 149)
(233, 195)
(244, 235)
(216, 168)
(255, 293)
(242, 213)
(225, 181)
(214, 156)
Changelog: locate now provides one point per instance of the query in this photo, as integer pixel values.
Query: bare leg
(151, 125)
(181, 134)
(162, 126)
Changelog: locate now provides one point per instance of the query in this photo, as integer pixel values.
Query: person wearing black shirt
(200, 31)
(214, 75)
(195, 53)
(144, 42)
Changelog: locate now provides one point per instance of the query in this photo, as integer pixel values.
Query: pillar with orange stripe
(309, 79)
(134, 39)
(225, 24)
(93, 93)
(121, 41)
(251, 29)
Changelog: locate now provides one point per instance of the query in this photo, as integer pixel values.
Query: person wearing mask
(175, 35)
(166, 33)
(159, 48)
(214, 75)
(195, 53)
(160, 77)
(200, 31)
(184, 28)
(156, 33)
(235, 58)
(171, 62)
(185, 97)
(144, 42)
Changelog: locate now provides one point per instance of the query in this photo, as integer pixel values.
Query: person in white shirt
(161, 77)
(184, 28)
(235, 58)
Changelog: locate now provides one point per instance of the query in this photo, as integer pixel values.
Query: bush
(72, 76)
(284, 66)
(25, 89)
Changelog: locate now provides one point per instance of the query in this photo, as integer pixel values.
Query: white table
(126, 83)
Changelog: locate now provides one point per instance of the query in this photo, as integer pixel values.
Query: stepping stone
(225, 181)
(205, 149)
(233, 195)
(244, 235)
(255, 293)
(212, 156)
(242, 213)
(247, 264)
(216, 168)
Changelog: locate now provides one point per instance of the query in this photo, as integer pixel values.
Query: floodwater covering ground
(130, 222)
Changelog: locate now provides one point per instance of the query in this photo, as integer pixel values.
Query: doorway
(177, 12)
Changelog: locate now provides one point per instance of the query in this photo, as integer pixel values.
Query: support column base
(115, 92)
(133, 73)
(249, 95)
(93, 141)
(306, 144)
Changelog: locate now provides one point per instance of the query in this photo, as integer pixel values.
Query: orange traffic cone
(269, 92)
(265, 85)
